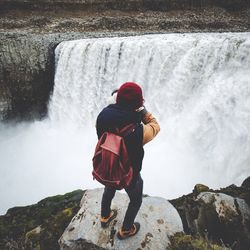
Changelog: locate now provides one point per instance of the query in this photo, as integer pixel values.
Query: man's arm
(150, 127)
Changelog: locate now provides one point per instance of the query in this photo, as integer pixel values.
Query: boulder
(224, 217)
(220, 215)
(158, 218)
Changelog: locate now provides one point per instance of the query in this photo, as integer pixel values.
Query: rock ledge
(158, 218)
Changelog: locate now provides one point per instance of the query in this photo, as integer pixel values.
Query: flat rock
(158, 219)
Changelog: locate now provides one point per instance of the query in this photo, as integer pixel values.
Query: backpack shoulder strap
(128, 129)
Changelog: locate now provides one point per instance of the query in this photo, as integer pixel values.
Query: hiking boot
(105, 221)
(122, 235)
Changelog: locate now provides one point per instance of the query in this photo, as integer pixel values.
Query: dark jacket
(114, 116)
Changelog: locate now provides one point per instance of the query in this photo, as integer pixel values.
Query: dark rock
(187, 209)
(246, 183)
(27, 73)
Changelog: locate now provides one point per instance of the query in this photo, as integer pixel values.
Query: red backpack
(111, 163)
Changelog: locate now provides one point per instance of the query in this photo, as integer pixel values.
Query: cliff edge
(203, 219)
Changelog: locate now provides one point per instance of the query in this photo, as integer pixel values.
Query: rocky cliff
(30, 30)
(27, 73)
(203, 219)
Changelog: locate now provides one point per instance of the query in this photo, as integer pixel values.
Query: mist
(40, 160)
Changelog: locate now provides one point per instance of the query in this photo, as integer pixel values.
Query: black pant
(134, 192)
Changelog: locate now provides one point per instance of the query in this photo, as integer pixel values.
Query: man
(128, 109)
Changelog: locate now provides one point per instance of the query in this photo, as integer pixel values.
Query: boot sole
(137, 226)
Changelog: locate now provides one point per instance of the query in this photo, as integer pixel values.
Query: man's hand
(142, 110)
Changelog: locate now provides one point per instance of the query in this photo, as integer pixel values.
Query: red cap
(130, 96)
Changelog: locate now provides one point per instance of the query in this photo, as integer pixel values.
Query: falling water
(196, 85)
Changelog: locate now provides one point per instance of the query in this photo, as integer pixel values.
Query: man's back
(113, 117)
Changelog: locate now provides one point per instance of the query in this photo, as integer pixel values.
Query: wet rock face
(158, 219)
(26, 76)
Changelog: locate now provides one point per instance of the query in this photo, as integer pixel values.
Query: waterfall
(196, 85)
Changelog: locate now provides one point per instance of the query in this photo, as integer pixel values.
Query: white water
(197, 85)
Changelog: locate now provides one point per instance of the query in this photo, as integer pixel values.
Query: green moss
(68, 212)
(32, 238)
(199, 188)
(53, 215)
(181, 241)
